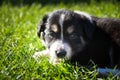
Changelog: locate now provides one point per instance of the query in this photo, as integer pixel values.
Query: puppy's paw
(37, 55)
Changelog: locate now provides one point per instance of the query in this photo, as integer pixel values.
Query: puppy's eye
(74, 36)
(51, 34)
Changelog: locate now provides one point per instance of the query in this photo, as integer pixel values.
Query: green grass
(18, 42)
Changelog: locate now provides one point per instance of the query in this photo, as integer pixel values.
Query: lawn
(19, 41)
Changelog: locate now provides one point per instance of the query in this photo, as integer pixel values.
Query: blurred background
(45, 2)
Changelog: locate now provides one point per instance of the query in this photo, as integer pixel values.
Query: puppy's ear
(89, 29)
(41, 27)
(87, 23)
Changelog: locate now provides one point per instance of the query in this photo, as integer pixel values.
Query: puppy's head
(65, 33)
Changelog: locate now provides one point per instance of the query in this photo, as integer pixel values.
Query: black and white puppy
(80, 37)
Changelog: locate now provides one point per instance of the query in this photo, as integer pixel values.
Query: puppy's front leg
(41, 53)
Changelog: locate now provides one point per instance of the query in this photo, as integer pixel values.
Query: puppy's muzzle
(60, 53)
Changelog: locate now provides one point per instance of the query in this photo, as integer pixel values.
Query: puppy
(80, 37)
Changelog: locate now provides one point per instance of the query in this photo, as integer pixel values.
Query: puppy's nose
(60, 53)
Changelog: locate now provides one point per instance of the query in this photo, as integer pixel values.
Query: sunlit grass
(18, 42)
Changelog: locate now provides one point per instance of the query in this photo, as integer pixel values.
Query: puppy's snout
(60, 53)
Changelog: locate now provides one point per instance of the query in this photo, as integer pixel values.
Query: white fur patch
(84, 14)
(61, 20)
